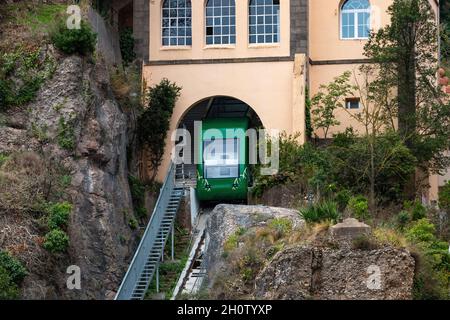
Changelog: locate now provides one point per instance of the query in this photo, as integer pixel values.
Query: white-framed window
(221, 158)
(352, 103)
(355, 19)
(176, 23)
(220, 22)
(264, 21)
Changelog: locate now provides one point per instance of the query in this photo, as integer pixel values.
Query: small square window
(209, 31)
(352, 103)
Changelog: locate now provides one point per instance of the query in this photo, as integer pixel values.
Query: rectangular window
(352, 103)
(221, 158)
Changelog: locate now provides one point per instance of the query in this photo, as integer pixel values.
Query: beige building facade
(264, 53)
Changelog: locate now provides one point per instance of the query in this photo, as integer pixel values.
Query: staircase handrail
(140, 257)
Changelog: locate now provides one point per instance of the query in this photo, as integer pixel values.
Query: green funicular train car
(222, 174)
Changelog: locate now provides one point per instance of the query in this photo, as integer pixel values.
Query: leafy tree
(327, 100)
(444, 197)
(404, 53)
(154, 122)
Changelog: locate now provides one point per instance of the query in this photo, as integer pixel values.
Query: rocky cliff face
(78, 105)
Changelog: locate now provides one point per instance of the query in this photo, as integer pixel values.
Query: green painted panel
(217, 189)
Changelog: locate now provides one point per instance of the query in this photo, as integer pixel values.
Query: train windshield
(221, 158)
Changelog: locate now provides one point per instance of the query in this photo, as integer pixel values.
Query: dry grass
(22, 183)
(247, 253)
(389, 236)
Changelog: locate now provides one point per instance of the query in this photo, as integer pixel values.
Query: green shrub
(403, 218)
(444, 197)
(71, 41)
(281, 225)
(8, 289)
(127, 45)
(59, 215)
(14, 268)
(359, 206)
(342, 198)
(133, 224)
(418, 211)
(22, 72)
(431, 279)
(327, 210)
(56, 241)
(421, 231)
(66, 134)
(3, 158)
(161, 102)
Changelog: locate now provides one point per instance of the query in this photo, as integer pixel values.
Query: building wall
(199, 50)
(330, 56)
(273, 94)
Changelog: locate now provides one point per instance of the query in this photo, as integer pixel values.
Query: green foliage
(433, 259)
(138, 188)
(282, 226)
(133, 224)
(154, 122)
(327, 100)
(359, 206)
(393, 164)
(3, 158)
(22, 72)
(56, 241)
(421, 231)
(66, 134)
(13, 267)
(403, 218)
(71, 41)
(59, 215)
(8, 289)
(303, 164)
(327, 210)
(415, 209)
(342, 198)
(404, 53)
(444, 197)
(127, 46)
(38, 17)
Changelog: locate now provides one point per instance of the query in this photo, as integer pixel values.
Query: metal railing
(137, 265)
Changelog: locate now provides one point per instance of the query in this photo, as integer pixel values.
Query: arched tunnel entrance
(224, 109)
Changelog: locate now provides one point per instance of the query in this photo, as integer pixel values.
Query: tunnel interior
(213, 108)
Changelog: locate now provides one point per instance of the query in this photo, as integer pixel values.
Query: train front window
(221, 158)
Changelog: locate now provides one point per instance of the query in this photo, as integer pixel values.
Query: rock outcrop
(307, 272)
(226, 219)
(101, 242)
(329, 266)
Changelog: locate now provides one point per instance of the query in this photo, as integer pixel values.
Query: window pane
(266, 21)
(221, 17)
(355, 14)
(176, 23)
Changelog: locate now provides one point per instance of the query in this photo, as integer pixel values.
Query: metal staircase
(185, 175)
(145, 263)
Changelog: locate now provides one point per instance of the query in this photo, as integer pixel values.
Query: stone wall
(141, 28)
(299, 26)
